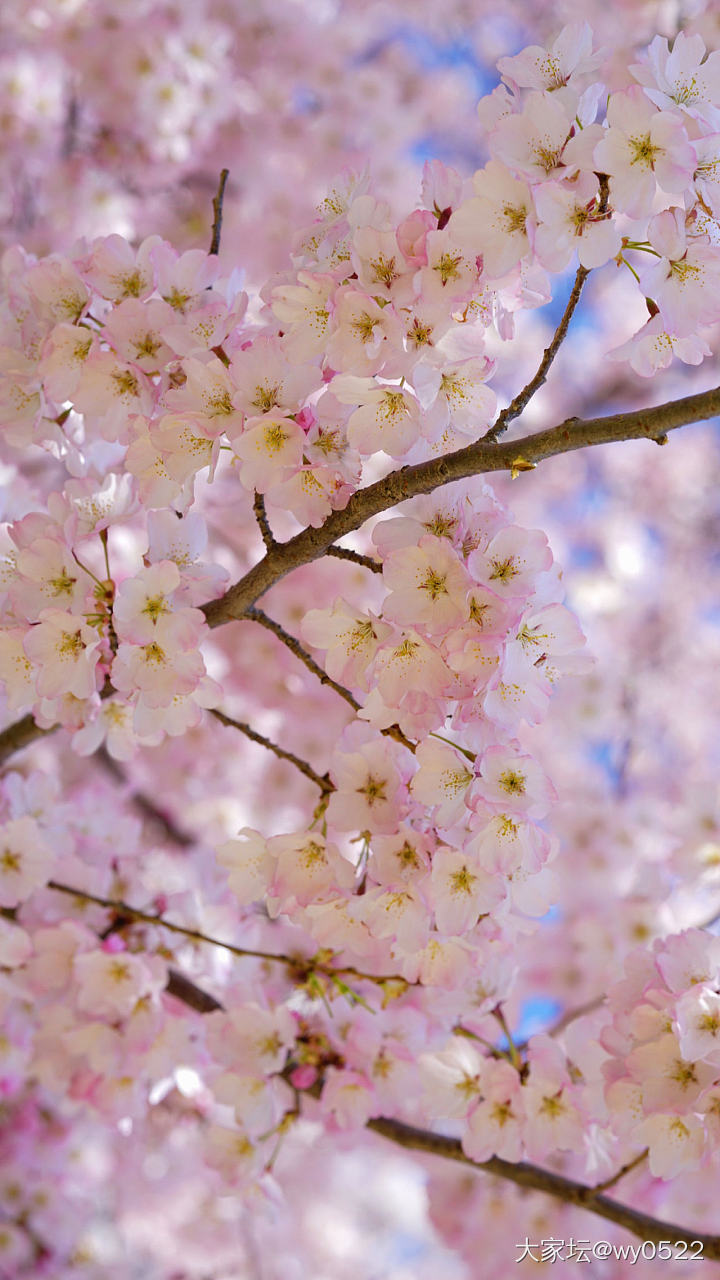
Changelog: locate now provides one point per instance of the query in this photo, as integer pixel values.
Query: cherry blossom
(327, 834)
(643, 146)
(498, 222)
(25, 862)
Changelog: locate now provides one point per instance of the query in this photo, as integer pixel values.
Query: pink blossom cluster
(284, 97)
(360, 919)
(663, 1069)
(132, 362)
(642, 180)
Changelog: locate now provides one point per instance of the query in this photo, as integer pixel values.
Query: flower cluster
(362, 919)
(663, 1070)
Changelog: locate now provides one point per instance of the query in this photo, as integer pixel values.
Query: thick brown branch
(323, 782)
(553, 1184)
(218, 213)
(408, 482)
(530, 1176)
(476, 459)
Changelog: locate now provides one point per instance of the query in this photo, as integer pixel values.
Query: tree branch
(409, 482)
(626, 1168)
(344, 553)
(144, 805)
(132, 914)
(263, 524)
(291, 643)
(476, 459)
(301, 967)
(218, 213)
(19, 735)
(553, 1184)
(323, 782)
(530, 1176)
(570, 1015)
(194, 997)
(517, 405)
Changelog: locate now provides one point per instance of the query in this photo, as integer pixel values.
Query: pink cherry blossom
(65, 650)
(514, 781)
(642, 146)
(427, 584)
(442, 780)
(111, 982)
(498, 223)
(510, 561)
(569, 220)
(531, 142)
(461, 891)
(26, 860)
(437, 864)
(269, 447)
(653, 347)
(568, 58)
(683, 78)
(495, 1125)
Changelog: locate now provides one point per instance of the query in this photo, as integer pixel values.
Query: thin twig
(570, 1015)
(323, 782)
(263, 523)
(513, 1049)
(631, 1164)
(145, 917)
(516, 406)
(145, 806)
(218, 213)
(467, 1034)
(344, 553)
(293, 644)
(301, 966)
